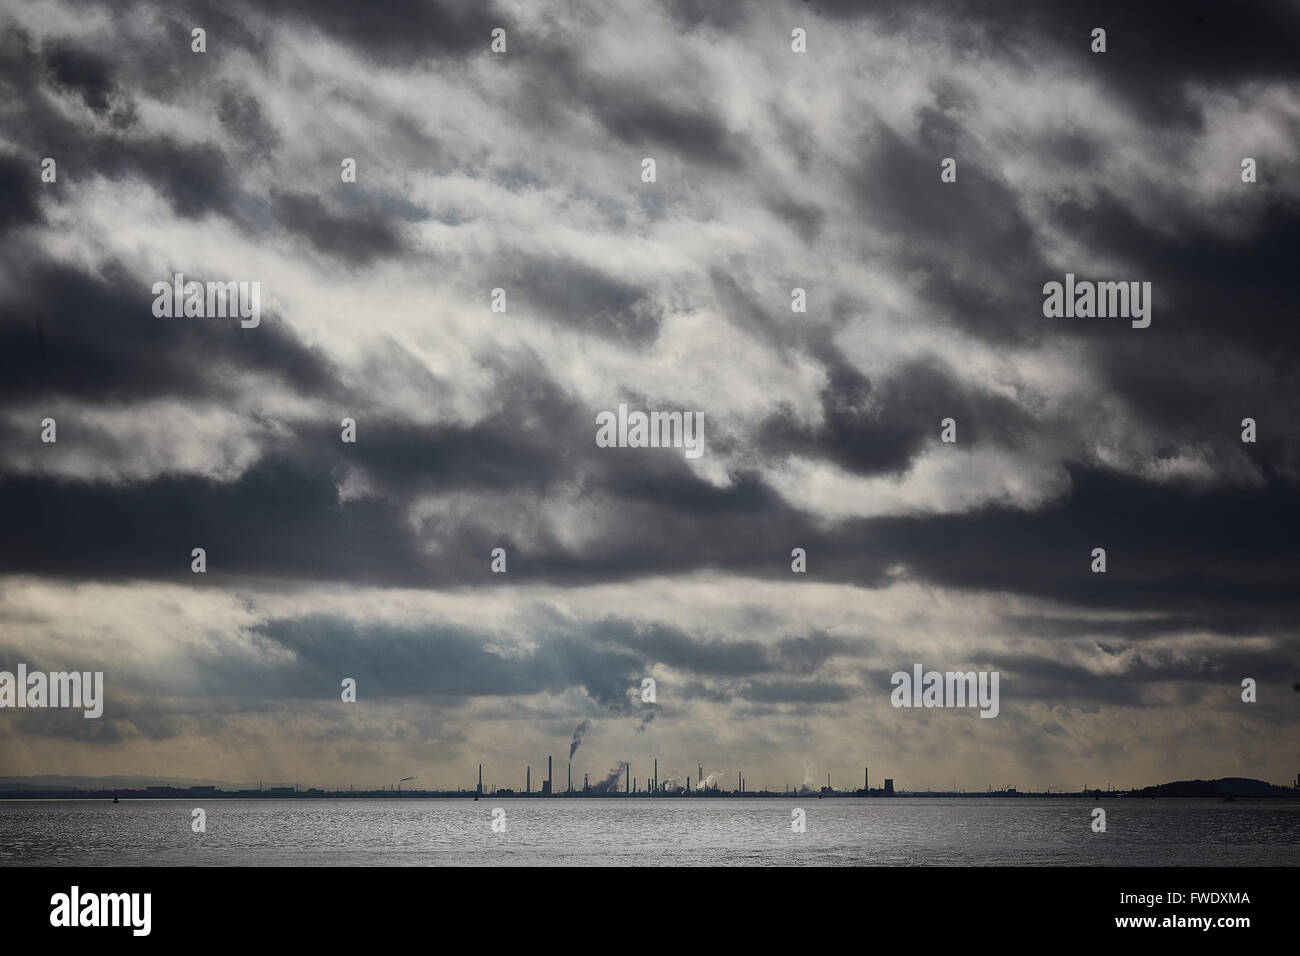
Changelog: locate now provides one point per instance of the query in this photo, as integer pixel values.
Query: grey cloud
(354, 237)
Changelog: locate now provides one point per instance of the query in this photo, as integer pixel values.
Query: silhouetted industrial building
(889, 786)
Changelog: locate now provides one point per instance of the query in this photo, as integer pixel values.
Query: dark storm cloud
(1194, 395)
(84, 72)
(637, 118)
(282, 517)
(870, 430)
(1216, 287)
(955, 238)
(19, 205)
(1168, 546)
(397, 31)
(100, 341)
(1153, 48)
(277, 520)
(400, 31)
(494, 454)
(195, 178)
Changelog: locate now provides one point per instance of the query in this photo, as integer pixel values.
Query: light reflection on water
(677, 832)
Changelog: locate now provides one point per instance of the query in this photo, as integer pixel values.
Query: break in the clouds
(775, 171)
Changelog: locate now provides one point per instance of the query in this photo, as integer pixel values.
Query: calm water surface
(423, 832)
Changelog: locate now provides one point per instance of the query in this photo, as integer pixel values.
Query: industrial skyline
(653, 786)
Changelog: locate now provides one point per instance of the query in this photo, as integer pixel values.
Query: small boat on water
(115, 798)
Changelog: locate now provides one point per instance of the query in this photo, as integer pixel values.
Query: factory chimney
(479, 791)
(628, 788)
(656, 775)
(570, 776)
(866, 779)
(528, 780)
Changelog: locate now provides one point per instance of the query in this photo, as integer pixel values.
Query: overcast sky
(476, 429)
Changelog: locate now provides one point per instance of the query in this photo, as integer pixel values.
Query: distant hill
(1226, 787)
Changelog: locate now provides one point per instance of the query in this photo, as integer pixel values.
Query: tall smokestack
(629, 778)
(740, 784)
(866, 779)
(570, 776)
(480, 780)
(528, 780)
(656, 774)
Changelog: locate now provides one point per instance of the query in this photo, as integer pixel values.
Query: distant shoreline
(210, 794)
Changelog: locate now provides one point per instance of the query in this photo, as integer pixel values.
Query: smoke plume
(577, 737)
